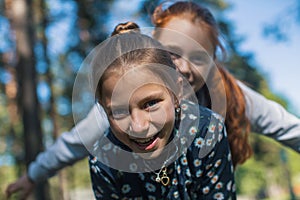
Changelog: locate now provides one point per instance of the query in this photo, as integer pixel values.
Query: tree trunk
(23, 25)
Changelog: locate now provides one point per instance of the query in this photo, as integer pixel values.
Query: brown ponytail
(125, 27)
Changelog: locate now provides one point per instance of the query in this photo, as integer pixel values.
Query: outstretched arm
(271, 119)
(67, 149)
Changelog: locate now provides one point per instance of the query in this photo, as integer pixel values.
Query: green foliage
(7, 175)
(250, 178)
(73, 178)
(266, 169)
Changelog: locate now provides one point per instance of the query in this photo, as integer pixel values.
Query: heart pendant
(165, 180)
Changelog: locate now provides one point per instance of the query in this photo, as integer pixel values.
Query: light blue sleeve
(69, 146)
(271, 119)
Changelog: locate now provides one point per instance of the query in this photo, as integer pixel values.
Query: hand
(23, 186)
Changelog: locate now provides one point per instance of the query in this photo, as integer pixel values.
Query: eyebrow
(174, 48)
(178, 50)
(154, 95)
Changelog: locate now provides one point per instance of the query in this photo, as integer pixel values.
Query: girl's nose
(140, 121)
(183, 66)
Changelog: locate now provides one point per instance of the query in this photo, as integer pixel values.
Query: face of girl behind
(140, 109)
(191, 49)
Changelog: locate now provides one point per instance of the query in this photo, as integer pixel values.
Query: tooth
(144, 140)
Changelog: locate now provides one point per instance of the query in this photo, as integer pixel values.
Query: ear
(180, 89)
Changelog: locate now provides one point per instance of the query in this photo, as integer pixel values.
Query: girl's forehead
(124, 90)
(135, 78)
(186, 35)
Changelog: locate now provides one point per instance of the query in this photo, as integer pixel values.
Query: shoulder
(203, 127)
(201, 115)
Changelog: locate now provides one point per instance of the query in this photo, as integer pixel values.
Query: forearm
(65, 151)
(70, 146)
(271, 119)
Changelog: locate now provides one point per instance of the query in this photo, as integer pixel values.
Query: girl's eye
(150, 104)
(199, 59)
(119, 113)
(175, 56)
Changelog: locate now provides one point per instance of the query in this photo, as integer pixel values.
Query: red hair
(237, 124)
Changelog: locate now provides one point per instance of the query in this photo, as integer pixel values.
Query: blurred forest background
(42, 45)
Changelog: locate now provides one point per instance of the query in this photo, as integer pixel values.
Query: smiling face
(140, 109)
(191, 51)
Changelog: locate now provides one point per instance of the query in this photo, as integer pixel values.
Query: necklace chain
(162, 176)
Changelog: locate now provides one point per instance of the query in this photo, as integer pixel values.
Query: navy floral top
(203, 169)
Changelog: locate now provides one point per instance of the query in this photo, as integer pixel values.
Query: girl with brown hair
(158, 146)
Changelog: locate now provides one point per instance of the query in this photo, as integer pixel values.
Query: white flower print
(212, 128)
(197, 162)
(219, 196)
(193, 130)
(210, 174)
(228, 186)
(176, 194)
(205, 190)
(183, 116)
(218, 163)
(125, 188)
(135, 155)
(199, 173)
(150, 187)
(199, 142)
(217, 116)
(174, 181)
(208, 166)
(107, 147)
(211, 154)
(187, 182)
(220, 127)
(95, 169)
(142, 176)
(209, 142)
(133, 167)
(184, 106)
(192, 117)
(178, 169)
(220, 137)
(188, 172)
(229, 157)
(233, 188)
(116, 149)
(219, 185)
(93, 160)
(214, 179)
(183, 140)
(183, 160)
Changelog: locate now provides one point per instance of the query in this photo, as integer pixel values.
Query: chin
(151, 155)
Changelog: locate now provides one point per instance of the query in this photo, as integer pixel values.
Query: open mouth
(146, 143)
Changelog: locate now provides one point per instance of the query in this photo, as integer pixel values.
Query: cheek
(177, 63)
(164, 116)
(201, 71)
(119, 126)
